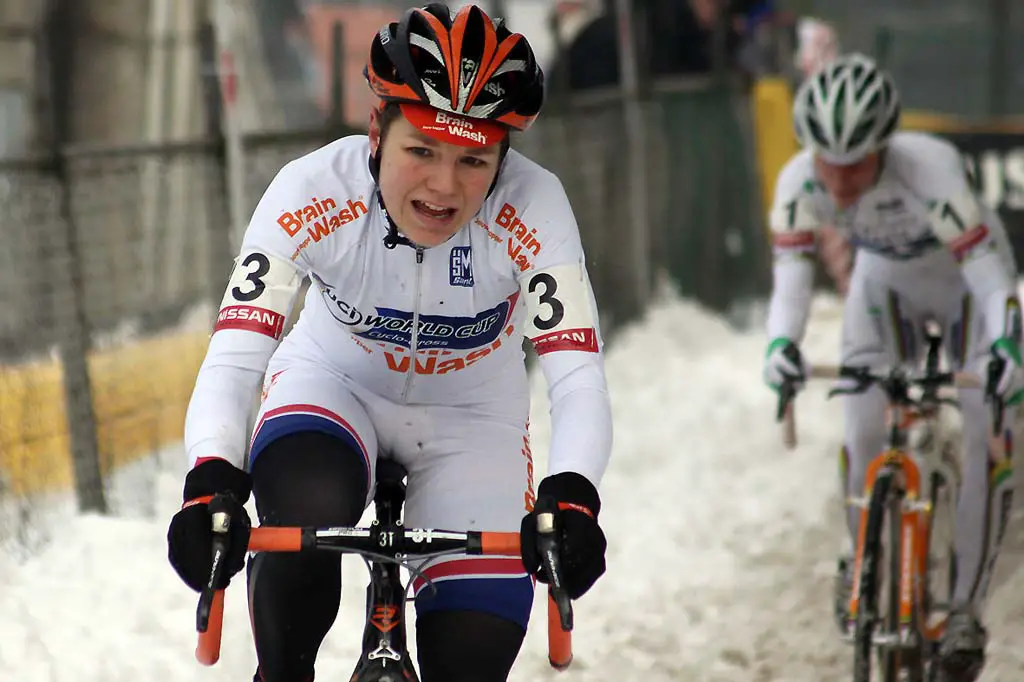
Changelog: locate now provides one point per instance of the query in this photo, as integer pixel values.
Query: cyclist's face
(846, 183)
(431, 188)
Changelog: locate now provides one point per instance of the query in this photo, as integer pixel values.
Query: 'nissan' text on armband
(259, 295)
(559, 315)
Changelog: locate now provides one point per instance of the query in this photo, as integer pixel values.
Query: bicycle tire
(380, 672)
(941, 496)
(890, 659)
(867, 594)
(916, 659)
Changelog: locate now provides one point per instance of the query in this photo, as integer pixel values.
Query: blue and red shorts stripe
(497, 585)
(288, 419)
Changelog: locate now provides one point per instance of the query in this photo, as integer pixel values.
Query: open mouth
(433, 211)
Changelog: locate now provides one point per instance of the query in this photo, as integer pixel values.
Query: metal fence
(962, 57)
(113, 260)
(105, 234)
(695, 176)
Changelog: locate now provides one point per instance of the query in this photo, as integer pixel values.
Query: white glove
(784, 363)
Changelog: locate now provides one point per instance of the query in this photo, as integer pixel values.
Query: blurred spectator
(676, 37)
(681, 36)
(765, 37)
(588, 56)
(816, 44)
(293, 65)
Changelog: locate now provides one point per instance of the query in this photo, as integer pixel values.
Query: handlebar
(894, 379)
(896, 383)
(393, 543)
(397, 541)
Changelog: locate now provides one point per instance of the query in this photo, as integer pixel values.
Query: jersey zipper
(414, 338)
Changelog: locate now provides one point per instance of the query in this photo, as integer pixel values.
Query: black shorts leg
(303, 478)
(466, 646)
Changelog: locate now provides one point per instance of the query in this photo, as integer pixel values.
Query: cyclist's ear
(374, 131)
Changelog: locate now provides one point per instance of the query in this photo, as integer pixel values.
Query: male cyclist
(432, 249)
(925, 247)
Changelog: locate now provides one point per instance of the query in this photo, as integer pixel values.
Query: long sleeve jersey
(440, 326)
(922, 218)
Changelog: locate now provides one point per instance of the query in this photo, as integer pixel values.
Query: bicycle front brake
(786, 395)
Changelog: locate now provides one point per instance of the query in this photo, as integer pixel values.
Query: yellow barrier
(140, 393)
(941, 123)
(775, 142)
(772, 102)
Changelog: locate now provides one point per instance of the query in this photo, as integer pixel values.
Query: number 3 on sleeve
(559, 310)
(260, 293)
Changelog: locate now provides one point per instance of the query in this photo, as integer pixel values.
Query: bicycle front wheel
(889, 658)
(867, 617)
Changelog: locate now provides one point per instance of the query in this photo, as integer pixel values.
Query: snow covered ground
(722, 545)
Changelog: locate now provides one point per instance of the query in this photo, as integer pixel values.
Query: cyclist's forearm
(581, 419)
(790, 303)
(218, 415)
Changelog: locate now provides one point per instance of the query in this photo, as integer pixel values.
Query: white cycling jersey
(438, 326)
(921, 203)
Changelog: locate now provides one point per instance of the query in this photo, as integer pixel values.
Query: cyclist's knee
(864, 410)
(309, 478)
(466, 646)
(975, 414)
(864, 426)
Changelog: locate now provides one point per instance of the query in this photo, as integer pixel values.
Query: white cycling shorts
(469, 468)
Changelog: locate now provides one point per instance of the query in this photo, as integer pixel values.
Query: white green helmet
(846, 109)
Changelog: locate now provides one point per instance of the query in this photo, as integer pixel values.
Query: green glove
(783, 363)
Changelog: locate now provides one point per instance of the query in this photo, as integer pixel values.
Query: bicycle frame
(894, 487)
(384, 634)
(385, 544)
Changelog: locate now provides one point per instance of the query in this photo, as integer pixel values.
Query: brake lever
(847, 391)
(998, 407)
(861, 377)
(786, 393)
(220, 523)
(833, 392)
(547, 544)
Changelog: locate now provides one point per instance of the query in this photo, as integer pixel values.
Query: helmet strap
(373, 163)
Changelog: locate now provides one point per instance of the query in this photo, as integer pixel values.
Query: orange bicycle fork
(914, 539)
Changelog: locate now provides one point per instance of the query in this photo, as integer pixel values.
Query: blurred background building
(137, 135)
